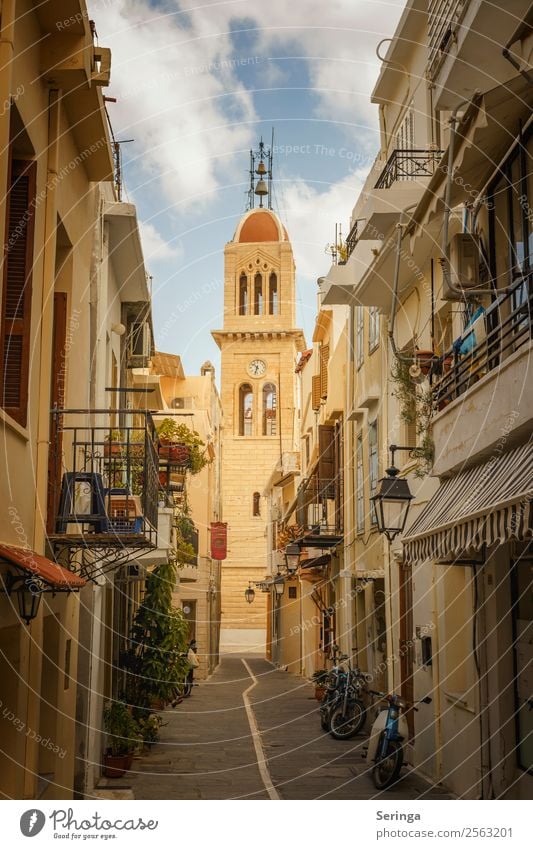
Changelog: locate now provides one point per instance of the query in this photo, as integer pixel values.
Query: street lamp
(392, 499)
(249, 593)
(279, 584)
(29, 591)
(292, 557)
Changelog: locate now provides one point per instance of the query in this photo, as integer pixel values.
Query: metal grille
(443, 19)
(408, 165)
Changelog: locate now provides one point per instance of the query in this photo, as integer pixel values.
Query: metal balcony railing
(508, 327)
(103, 479)
(319, 510)
(444, 18)
(408, 165)
(351, 241)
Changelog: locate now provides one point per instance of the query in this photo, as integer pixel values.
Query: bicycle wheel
(387, 769)
(343, 726)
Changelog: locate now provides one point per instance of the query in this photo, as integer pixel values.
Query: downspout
(43, 418)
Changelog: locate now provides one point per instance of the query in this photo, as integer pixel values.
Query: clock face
(257, 368)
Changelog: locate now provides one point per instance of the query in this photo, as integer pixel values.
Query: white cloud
(155, 248)
(179, 94)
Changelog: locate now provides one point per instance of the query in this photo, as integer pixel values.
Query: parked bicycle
(387, 738)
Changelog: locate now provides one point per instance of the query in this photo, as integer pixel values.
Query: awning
(36, 564)
(316, 562)
(488, 504)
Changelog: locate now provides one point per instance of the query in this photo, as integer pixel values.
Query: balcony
(488, 368)
(319, 513)
(408, 165)
(103, 483)
(465, 46)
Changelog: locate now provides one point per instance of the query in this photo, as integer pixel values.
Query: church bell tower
(259, 344)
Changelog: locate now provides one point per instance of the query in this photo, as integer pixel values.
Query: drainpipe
(44, 346)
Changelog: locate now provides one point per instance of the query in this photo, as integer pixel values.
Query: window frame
(373, 465)
(373, 329)
(269, 388)
(245, 389)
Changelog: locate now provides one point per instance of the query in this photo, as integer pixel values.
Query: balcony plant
(124, 736)
(416, 408)
(181, 445)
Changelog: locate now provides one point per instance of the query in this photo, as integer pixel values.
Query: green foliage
(160, 635)
(416, 408)
(170, 431)
(149, 726)
(121, 727)
(319, 677)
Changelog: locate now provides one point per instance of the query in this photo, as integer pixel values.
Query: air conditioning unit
(465, 255)
(139, 340)
(182, 403)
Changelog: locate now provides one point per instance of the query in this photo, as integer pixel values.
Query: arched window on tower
(258, 295)
(243, 294)
(246, 410)
(269, 409)
(273, 295)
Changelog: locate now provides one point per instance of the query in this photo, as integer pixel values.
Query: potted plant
(424, 359)
(319, 680)
(114, 443)
(181, 445)
(123, 734)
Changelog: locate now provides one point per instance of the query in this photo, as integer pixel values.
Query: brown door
(57, 399)
(406, 640)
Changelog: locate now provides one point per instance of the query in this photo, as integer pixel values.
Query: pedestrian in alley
(194, 663)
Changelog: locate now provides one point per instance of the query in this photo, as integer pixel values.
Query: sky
(197, 85)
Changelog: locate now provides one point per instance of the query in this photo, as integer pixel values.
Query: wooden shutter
(326, 460)
(324, 359)
(316, 392)
(17, 287)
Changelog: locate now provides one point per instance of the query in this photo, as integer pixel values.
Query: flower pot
(157, 704)
(174, 452)
(116, 765)
(112, 449)
(320, 692)
(425, 360)
(163, 480)
(447, 364)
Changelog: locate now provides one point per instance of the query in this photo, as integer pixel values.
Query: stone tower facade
(259, 344)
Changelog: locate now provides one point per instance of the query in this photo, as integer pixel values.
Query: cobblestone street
(207, 748)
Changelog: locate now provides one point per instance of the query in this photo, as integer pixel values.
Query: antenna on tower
(261, 167)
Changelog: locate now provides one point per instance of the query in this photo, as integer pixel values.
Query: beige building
(441, 246)
(259, 344)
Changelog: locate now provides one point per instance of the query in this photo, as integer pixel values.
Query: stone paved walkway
(207, 750)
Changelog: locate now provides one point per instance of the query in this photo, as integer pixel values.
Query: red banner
(219, 540)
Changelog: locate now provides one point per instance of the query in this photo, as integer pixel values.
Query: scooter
(387, 738)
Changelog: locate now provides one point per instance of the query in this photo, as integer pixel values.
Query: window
(373, 463)
(360, 329)
(246, 403)
(269, 409)
(243, 294)
(373, 329)
(258, 295)
(273, 295)
(17, 290)
(256, 509)
(293, 592)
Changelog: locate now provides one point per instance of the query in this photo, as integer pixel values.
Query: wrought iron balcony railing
(505, 328)
(103, 479)
(319, 510)
(408, 165)
(351, 241)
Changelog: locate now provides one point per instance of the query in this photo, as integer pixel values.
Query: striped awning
(487, 504)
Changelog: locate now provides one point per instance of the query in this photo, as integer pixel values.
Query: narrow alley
(207, 749)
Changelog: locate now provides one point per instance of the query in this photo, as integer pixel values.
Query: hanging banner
(219, 540)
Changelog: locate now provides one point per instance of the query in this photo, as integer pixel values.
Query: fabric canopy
(36, 564)
(487, 504)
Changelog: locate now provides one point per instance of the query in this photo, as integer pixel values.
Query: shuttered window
(373, 464)
(17, 287)
(324, 359)
(326, 461)
(316, 392)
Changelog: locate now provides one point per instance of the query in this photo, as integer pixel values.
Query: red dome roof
(261, 225)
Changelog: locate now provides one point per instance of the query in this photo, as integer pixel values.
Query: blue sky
(196, 86)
